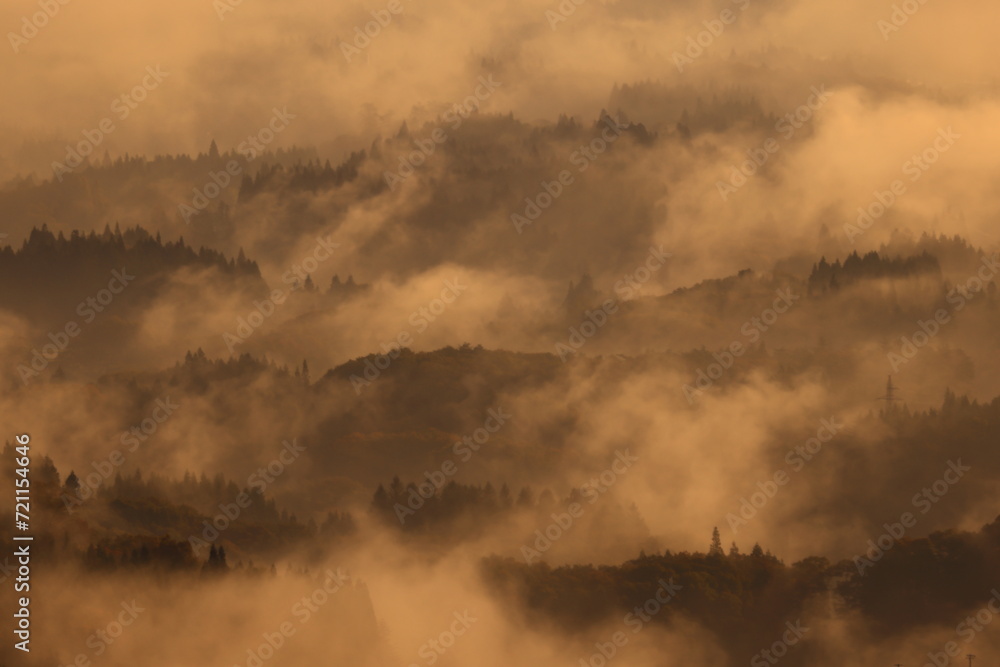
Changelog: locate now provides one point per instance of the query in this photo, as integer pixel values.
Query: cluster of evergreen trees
(310, 176)
(739, 598)
(138, 551)
(934, 581)
(826, 277)
(133, 247)
(64, 270)
(404, 506)
(694, 111)
(146, 521)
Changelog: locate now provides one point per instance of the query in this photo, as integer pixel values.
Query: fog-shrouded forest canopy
(570, 333)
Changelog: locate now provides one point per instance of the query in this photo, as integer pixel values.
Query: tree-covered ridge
(437, 389)
(940, 580)
(310, 176)
(42, 251)
(417, 408)
(198, 372)
(415, 510)
(826, 277)
(97, 173)
(953, 252)
(713, 286)
(453, 511)
(119, 270)
(151, 520)
(693, 111)
(739, 598)
(934, 580)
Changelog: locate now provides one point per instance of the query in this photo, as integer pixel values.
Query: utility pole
(970, 657)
